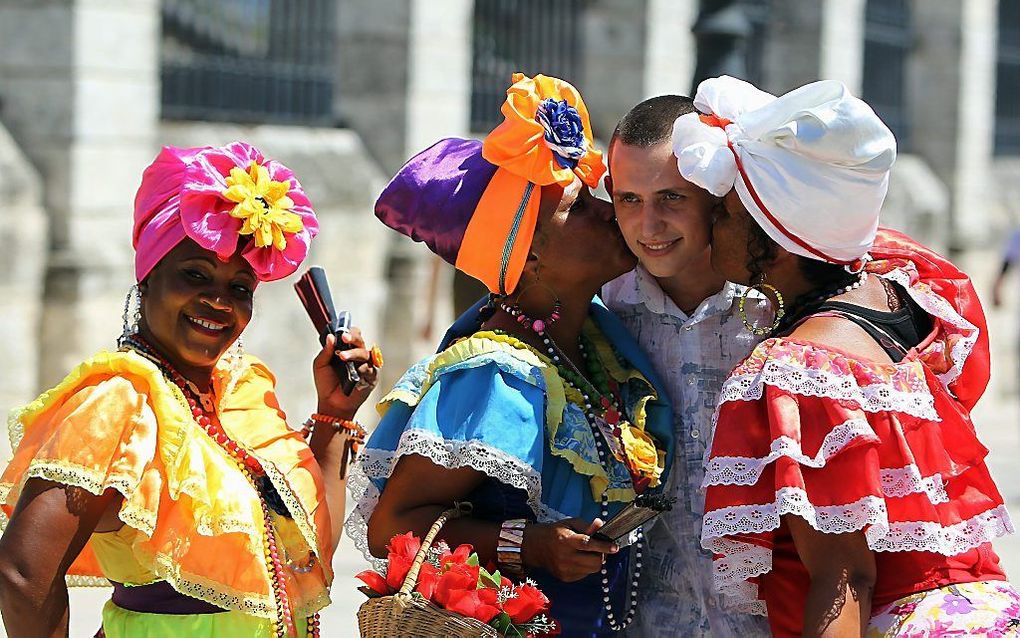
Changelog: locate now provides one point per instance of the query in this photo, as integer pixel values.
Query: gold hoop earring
(761, 287)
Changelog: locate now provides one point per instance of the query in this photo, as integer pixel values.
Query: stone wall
(22, 266)
(79, 92)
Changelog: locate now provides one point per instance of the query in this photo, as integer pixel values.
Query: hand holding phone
(313, 291)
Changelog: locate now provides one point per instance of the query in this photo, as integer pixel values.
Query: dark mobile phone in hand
(313, 291)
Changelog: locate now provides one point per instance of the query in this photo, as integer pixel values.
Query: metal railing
(1007, 89)
(888, 39)
(531, 36)
(249, 60)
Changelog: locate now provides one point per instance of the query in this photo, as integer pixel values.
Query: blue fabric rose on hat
(564, 132)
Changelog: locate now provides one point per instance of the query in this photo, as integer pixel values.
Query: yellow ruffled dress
(191, 516)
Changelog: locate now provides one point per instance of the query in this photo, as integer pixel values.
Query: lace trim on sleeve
(746, 470)
(493, 462)
(815, 382)
(737, 561)
(937, 306)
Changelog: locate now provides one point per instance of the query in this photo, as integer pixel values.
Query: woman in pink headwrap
(847, 492)
(167, 467)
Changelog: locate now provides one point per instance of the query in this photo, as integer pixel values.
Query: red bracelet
(353, 428)
(355, 436)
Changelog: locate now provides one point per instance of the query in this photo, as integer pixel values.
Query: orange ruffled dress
(850, 444)
(190, 515)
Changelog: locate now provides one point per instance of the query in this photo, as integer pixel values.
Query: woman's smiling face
(195, 306)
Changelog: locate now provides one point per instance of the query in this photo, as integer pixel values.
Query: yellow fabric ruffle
(558, 393)
(195, 520)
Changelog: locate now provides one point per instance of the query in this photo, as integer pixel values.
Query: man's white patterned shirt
(692, 355)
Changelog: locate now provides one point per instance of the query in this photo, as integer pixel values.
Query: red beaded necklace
(252, 468)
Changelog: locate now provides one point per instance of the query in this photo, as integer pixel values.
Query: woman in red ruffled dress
(847, 492)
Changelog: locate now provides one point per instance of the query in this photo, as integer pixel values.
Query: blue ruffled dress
(492, 403)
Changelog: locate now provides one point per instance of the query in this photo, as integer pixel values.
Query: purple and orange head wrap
(215, 196)
(475, 204)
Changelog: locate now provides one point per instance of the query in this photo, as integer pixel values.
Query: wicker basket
(404, 615)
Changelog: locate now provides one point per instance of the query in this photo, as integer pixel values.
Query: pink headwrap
(213, 196)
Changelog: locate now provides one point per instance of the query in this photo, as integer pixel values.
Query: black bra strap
(889, 343)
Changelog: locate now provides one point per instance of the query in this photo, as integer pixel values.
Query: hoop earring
(761, 287)
(131, 319)
(538, 325)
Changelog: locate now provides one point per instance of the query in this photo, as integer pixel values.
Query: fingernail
(616, 548)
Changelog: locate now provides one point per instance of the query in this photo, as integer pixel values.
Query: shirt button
(695, 434)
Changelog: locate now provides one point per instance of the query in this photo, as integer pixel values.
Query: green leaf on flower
(502, 622)
(472, 560)
(506, 627)
(485, 579)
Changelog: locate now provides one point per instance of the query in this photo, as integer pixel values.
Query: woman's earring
(131, 319)
(238, 349)
(763, 288)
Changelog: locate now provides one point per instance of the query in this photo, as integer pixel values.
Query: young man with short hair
(686, 318)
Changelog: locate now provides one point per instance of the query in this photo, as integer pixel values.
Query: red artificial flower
(458, 556)
(454, 580)
(406, 545)
(428, 578)
(402, 549)
(375, 582)
(480, 604)
(526, 603)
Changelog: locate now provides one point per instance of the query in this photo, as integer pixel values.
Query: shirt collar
(645, 290)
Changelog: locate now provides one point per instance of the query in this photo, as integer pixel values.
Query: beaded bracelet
(355, 436)
(508, 547)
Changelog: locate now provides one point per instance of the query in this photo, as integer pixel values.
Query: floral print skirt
(990, 608)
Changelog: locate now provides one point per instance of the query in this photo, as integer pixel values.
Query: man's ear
(609, 185)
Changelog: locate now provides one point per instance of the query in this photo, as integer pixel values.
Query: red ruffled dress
(850, 444)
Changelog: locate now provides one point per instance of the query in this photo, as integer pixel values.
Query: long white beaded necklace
(558, 358)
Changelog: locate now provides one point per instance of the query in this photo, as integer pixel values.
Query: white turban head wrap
(811, 166)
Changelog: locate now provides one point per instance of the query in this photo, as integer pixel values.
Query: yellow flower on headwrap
(263, 204)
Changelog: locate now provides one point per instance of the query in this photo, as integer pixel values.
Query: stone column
(670, 49)
(22, 266)
(404, 73)
(79, 85)
(404, 81)
(612, 59)
(793, 45)
(952, 105)
(842, 42)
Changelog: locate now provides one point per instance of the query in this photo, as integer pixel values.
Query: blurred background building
(344, 90)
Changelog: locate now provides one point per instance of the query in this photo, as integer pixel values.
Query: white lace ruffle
(746, 470)
(938, 307)
(738, 561)
(375, 463)
(876, 397)
(902, 481)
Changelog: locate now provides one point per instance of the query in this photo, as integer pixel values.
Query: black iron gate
(1007, 85)
(888, 38)
(531, 36)
(249, 60)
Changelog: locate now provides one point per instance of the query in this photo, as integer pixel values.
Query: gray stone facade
(79, 95)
